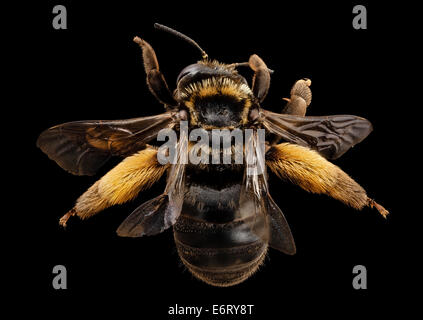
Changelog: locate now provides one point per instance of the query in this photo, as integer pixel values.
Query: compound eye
(192, 69)
(182, 75)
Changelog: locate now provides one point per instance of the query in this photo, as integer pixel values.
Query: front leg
(261, 79)
(121, 184)
(155, 80)
(300, 98)
(309, 170)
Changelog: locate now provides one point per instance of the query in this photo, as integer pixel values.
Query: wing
(331, 136)
(82, 147)
(280, 234)
(269, 223)
(158, 214)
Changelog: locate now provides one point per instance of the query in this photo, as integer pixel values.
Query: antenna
(245, 64)
(181, 36)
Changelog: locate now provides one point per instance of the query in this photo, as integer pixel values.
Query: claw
(138, 40)
(63, 220)
(381, 209)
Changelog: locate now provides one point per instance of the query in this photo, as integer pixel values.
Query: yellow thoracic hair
(218, 65)
(216, 86)
(213, 87)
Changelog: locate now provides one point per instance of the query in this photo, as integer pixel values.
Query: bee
(223, 216)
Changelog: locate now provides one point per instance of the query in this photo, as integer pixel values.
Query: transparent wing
(280, 234)
(158, 214)
(331, 136)
(82, 147)
(268, 221)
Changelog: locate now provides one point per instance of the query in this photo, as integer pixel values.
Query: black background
(93, 70)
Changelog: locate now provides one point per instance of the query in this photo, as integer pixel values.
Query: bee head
(215, 95)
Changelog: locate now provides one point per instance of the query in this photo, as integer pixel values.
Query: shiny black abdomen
(214, 239)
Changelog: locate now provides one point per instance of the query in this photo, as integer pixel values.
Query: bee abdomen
(216, 253)
(223, 276)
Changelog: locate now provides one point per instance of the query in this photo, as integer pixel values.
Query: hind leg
(312, 172)
(121, 184)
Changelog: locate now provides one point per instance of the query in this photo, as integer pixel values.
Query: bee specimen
(223, 217)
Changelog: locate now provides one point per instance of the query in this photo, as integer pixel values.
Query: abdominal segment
(216, 242)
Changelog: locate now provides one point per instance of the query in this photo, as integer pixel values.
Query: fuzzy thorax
(217, 87)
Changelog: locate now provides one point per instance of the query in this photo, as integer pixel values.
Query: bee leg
(121, 184)
(155, 80)
(261, 79)
(381, 209)
(63, 220)
(312, 172)
(300, 98)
